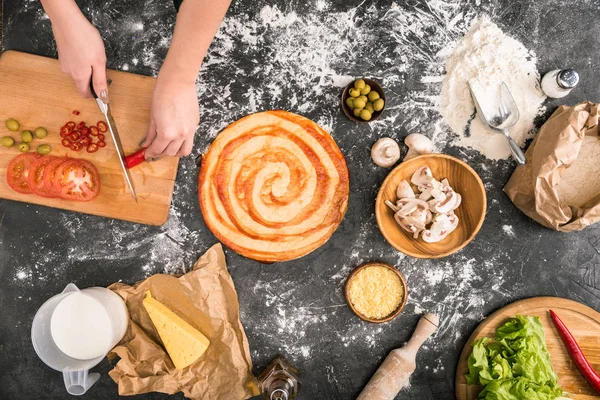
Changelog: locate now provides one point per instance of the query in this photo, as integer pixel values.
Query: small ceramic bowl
(393, 314)
(471, 212)
(374, 87)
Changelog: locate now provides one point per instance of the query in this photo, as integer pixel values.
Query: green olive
(359, 84)
(353, 92)
(41, 133)
(44, 149)
(12, 125)
(350, 102)
(365, 114)
(7, 141)
(365, 90)
(373, 95)
(23, 147)
(359, 103)
(27, 136)
(369, 106)
(378, 104)
(364, 98)
(357, 112)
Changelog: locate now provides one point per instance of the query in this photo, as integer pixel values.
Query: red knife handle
(135, 159)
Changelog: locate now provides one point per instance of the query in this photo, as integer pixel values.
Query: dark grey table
(295, 56)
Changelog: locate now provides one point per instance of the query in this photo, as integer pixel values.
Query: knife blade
(104, 105)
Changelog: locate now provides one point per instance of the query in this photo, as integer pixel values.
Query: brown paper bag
(532, 186)
(206, 298)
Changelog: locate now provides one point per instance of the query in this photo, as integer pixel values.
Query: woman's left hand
(174, 118)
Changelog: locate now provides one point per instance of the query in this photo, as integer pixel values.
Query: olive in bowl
(363, 100)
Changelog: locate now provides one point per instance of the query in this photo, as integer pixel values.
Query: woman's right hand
(80, 46)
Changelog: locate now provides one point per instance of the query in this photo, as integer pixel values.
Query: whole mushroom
(385, 152)
(417, 144)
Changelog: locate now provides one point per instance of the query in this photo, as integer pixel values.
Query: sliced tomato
(92, 148)
(18, 172)
(102, 127)
(94, 131)
(77, 180)
(49, 173)
(101, 143)
(71, 125)
(35, 178)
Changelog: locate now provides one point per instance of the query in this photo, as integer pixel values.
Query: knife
(104, 105)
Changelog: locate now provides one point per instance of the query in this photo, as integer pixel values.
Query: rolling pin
(399, 365)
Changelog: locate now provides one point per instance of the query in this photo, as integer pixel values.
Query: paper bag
(206, 298)
(532, 186)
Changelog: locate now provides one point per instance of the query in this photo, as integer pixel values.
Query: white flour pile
(581, 181)
(485, 57)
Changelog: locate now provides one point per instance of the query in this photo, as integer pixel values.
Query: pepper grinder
(279, 381)
(559, 82)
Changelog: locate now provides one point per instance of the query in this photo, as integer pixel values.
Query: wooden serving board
(35, 92)
(582, 321)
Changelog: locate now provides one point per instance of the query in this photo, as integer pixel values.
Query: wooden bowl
(348, 111)
(471, 212)
(392, 315)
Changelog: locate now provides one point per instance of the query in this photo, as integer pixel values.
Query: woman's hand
(174, 118)
(80, 46)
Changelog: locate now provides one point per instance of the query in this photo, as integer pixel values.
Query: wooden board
(35, 92)
(582, 321)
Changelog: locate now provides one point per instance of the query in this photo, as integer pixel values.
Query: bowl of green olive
(363, 100)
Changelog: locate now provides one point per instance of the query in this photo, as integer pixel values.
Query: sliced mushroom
(392, 206)
(422, 177)
(441, 227)
(425, 194)
(450, 203)
(404, 190)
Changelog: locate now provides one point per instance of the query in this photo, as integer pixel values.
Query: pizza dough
(273, 186)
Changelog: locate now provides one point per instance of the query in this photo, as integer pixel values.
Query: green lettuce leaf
(516, 364)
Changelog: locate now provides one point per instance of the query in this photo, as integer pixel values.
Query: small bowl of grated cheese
(376, 292)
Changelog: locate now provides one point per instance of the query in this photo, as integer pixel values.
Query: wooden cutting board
(35, 92)
(582, 321)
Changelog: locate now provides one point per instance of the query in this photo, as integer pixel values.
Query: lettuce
(515, 365)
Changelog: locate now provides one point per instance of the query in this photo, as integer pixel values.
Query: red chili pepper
(576, 354)
(75, 112)
(136, 158)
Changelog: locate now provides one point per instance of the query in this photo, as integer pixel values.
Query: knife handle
(135, 159)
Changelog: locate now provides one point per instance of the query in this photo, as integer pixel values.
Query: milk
(81, 328)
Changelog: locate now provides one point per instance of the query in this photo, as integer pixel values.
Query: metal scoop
(505, 118)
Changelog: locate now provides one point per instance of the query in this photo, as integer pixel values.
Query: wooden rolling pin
(399, 365)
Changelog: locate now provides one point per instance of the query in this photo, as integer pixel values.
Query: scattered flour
(485, 57)
(580, 182)
(508, 229)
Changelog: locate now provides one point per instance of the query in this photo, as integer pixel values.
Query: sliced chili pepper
(74, 136)
(75, 112)
(71, 124)
(92, 148)
(85, 131)
(66, 142)
(100, 137)
(65, 130)
(102, 127)
(81, 125)
(101, 144)
(94, 131)
(76, 146)
(576, 354)
(136, 158)
(85, 141)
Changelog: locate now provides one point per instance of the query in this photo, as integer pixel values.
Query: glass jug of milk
(74, 330)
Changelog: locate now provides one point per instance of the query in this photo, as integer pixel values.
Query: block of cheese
(184, 343)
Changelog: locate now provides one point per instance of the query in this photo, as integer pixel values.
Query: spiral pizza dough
(273, 186)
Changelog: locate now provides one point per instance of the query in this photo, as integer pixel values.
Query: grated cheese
(375, 292)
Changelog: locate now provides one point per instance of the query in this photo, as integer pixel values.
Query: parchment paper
(532, 186)
(206, 298)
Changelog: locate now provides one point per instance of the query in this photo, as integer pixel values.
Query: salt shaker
(559, 82)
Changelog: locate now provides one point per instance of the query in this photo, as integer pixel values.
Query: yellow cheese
(184, 343)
